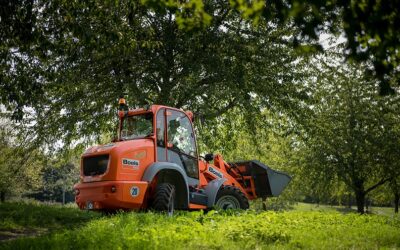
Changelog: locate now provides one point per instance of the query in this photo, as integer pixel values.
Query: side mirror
(209, 157)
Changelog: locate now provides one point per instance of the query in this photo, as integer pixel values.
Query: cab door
(176, 142)
(181, 144)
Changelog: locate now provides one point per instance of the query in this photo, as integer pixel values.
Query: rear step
(198, 198)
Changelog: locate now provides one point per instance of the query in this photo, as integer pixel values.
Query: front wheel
(164, 198)
(230, 197)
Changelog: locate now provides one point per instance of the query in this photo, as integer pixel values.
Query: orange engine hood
(127, 160)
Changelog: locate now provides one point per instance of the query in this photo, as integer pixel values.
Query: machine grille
(95, 165)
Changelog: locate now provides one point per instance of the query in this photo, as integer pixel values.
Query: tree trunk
(396, 202)
(2, 196)
(349, 204)
(63, 196)
(360, 200)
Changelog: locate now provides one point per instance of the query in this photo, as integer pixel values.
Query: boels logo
(130, 163)
(215, 172)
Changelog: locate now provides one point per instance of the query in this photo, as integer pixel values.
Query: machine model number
(215, 172)
(134, 191)
(131, 163)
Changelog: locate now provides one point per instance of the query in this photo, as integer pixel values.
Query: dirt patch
(11, 234)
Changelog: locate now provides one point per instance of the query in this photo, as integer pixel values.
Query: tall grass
(34, 215)
(224, 230)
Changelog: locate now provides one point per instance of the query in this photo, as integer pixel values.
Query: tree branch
(381, 182)
(221, 111)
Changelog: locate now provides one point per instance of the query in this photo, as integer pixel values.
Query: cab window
(160, 134)
(137, 126)
(180, 134)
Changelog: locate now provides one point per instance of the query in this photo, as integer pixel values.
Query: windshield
(137, 126)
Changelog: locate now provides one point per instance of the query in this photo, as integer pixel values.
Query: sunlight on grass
(327, 229)
(300, 206)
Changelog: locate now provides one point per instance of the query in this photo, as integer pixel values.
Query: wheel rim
(228, 202)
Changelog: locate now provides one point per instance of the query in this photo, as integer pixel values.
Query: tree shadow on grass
(11, 234)
(345, 210)
(20, 219)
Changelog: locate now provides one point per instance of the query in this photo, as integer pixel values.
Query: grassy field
(58, 227)
(388, 211)
(33, 219)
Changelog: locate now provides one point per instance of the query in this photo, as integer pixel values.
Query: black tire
(230, 197)
(164, 198)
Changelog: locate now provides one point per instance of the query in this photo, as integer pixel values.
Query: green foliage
(280, 203)
(96, 50)
(58, 182)
(20, 162)
(28, 171)
(265, 136)
(369, 26)
(225, 230)
(189, 14)
(350, 138)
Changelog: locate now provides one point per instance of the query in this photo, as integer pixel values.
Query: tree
(395, 186)
(100, 49)
(369, 26)
(347, 137)
(20, 163)
(58, 180)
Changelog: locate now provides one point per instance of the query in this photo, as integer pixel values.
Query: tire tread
(231, 190)
(162, 196)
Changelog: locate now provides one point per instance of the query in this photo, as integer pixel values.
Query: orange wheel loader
(154, 164)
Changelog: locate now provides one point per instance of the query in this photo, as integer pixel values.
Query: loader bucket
(268, 182)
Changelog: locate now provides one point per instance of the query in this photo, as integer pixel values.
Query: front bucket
(268, 182)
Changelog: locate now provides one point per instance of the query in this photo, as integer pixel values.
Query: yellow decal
(140, 154)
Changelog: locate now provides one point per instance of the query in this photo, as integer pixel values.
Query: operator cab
(172, 132)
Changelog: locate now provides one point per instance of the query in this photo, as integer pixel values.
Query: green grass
(19, 219)
(388, 211)
(306, 229)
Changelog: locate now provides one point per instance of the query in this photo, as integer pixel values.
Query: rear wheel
(164, 198)
(230, 197)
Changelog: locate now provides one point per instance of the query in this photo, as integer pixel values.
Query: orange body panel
(101, 195)
(97, 189)
(232, 178)
(196, 206)
(141, 150)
